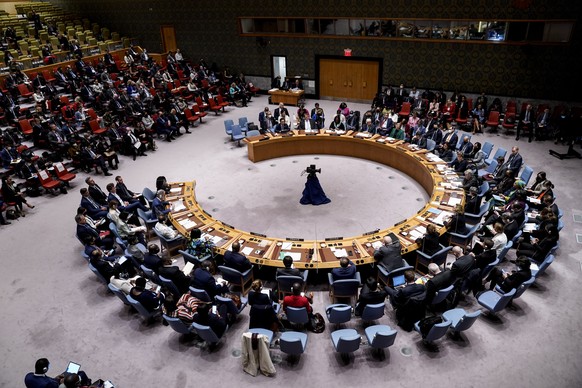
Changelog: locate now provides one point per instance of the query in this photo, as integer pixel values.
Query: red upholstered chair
(405, 110)
(95, 128)
(47, 182)
(213, 106)
(24, 91)
(196, 110)
(64, 174)
(493, 120)
(191, 117)
(25, 127)
(201, 104)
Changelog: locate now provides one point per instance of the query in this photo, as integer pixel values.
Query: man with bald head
(388, 255)
(236, 260)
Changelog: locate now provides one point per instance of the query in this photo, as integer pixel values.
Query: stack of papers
(247, 250)
(178, 206)
(440, 219)
(454, 201)
(363, 134)
(339, 252)
(176, 190)
(187, 223)
(529, 227)
(296, 256)
(377, 244)
(214, 239)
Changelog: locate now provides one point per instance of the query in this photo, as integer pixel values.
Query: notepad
(178, 205)
(176, 190)
(247, 250)
(341, 252)
(296, 256)
(188, 268)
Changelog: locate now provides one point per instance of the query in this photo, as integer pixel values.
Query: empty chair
(460, 319)
(526, 174)
(437, 331)
(63, 174)
(47, 182)
(228, 127)
(297, 315)
(483, 189)
(500, 152)
(244, 124)
(346, 341)
(293, 342)
(495, 302)
(372, 312)
(423, 260)
(489, 268)
(118, 293)
(560, 224)
(493, 120)
(430, 145)
(206, 333)
(338, 313)
(380, 336)
(265, 332)
(487, 148)
(237, 134)
(234, 277)
(147, 315)
(178, 326)
(253, 132)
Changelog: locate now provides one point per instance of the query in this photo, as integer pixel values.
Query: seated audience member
(175, 274)
(537, 249)
(84, 231)
(149, 299)
(184, 308)
(456, 223)
(236, 260)
(509, 280)
(477, 157)
(123, 205)
(289, 270)
(370, 294)
(473, 201)
(152, 259)
(388, 255)
(538, 186)
(11, 194)
(159, 204)
(198, 246)
(337, 124)
(399, 297)
(440, 280)
(203, 280)
(94, 209)
(459, 164)
(163, 229)
(297, 300)
(262, 313)
(109, 266)
(124, 284)
(136, 249)
(74, 380)
(39, 379)
(347, 270)
(463, 264)
(469, 180)
(126, 230)
(123, 192)
(217, 322)
(429, 243)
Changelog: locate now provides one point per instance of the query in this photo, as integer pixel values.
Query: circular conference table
(440, 182)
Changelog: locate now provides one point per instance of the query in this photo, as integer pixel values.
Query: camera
(311, 170)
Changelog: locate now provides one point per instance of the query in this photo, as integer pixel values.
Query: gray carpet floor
(54, 307)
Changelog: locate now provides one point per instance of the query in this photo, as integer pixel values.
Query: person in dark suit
(282, 127)
(152, 259)
(466, 147)
(175, 274)
(473, 201)
(399, 297)
(217, 322)
(459, 164)
(278, 111)
(288, 270)
(463, 264)
(236, 260)
(514, 161)
(347, 270)
(370, 294)
(513, 279)
(93, 208)
(487, 256)
(538, 249)
(451, 139)
(526, 122)
(204, 280)
(308, 123)
(124, 192)
(388, 255)
(429, 244)
(457, 223)
(95, 192)
(440, 280)
(85, 231)
(39, 377)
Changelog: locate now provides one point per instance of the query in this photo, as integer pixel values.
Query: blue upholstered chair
(171, 245)
(380, 336)
(500, 152)
(265, 332)
(297, 315)
(117, 292)
(460, 319)
(240, 279)
(293, 342)
(285, 283)
(489, 170)
(423, 260)
(345, 341)
(169, 284)
(99, 276)
(373, 312)
(200, 294)
(228, 127)
(178, 326)
(487, 148)
(463, 239)
(148, 316)
(436, 332)
(344, 288)
(193, 259)
(543, 266)
(495, 302)
(526, 174)
(338, 313)
(206, 333)
(386, 277)
(237, 134)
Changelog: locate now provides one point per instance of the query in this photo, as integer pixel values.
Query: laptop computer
(398, 281)
(73, 367)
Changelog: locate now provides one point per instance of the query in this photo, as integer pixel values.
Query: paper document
(176, 190)
(247, 250)
(377, 244)
(188, 268)
(287, 245)
(296, 256)
(341, 252)
(178, 206)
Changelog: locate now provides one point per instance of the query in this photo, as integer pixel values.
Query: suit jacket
(463, 265)
(466, 148)
(204, 280)
(124, 192)
(344, 273)
(389, 256)
(451, 140)
(405, 293)
(312, 123)
(473, 205)
(98, 195)
(278, 111)
(236, 261)
(288, 272)
(84, 231)
(485, 258)
(92, 207)
(369, 297)
(177, 276)
(515, 279)
(429, 244)
(438, 282)
(153, 262)
(514, 163)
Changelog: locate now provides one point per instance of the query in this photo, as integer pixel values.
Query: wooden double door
(350, 79)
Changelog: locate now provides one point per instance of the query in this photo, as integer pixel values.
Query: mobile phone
(214, 310)
(158, 288)
(303, 294)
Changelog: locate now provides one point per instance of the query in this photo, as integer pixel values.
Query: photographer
(313, 193)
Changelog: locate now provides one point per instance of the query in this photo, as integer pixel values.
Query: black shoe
(6, 223)
(134, 156)
(188, 131)
(144, 154)
(529, 141)
(108, 173)
(517, 138)
(169, 139)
